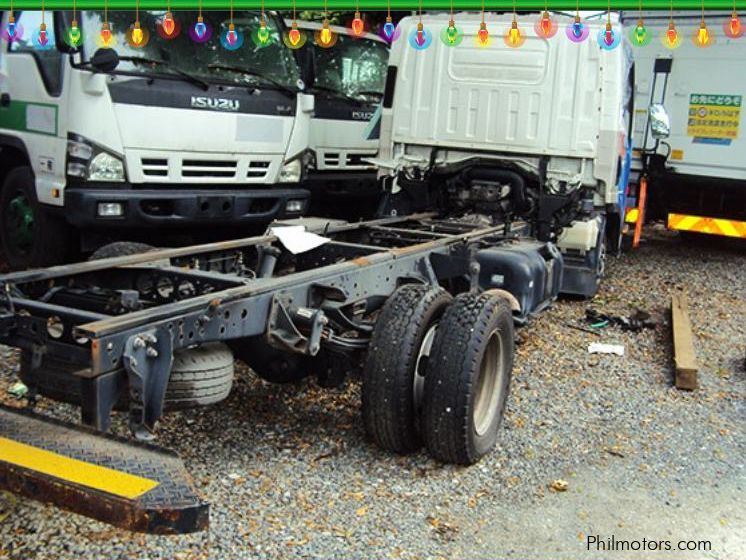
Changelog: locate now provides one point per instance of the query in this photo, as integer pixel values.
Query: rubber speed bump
(131, 485)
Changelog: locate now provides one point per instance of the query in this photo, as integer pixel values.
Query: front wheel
(468, 378)
(30, 236)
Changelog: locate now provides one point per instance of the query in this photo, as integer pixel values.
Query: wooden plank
(685, 358)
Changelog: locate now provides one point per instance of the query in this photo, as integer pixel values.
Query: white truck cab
(175, 136)
(347, 82)
(538, 133)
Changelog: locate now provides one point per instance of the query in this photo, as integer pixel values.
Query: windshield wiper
(188, 77)
(356, 97)
(252, 73)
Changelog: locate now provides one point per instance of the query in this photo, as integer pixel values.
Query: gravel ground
(290, 474)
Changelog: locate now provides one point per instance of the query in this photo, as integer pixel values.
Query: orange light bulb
(168, 24)
(672, 35)
(483, 35)
(734, 25)
(105, 34)
(294, 35)
(357, 24)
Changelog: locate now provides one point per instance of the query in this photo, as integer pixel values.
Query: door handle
(4, 99)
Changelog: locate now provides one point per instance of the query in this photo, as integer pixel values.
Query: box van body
(696, 176)
(348, 83)
(538, 133)
(146, 147)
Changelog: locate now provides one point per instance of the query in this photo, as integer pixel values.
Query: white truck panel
(717, 70)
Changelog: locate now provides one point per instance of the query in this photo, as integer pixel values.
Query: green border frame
(521, 5)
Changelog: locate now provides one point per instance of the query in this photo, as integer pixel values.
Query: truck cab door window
(49, 62)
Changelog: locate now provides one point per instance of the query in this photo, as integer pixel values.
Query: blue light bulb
(388, 29)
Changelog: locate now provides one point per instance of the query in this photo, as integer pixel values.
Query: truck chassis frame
(118, 320)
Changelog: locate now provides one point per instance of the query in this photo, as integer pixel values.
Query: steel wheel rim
(18, 219)
(488, 385)
(420, 366)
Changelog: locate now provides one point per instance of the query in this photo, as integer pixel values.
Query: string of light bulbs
(231, 37)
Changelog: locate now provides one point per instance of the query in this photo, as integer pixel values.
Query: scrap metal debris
(636, 322)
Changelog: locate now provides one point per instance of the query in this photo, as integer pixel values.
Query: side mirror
(61, 29)
(660, 123)
(105, 60)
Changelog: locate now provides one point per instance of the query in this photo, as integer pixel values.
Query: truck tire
(468, 378)
(269, 363)
(200, 376)
(396, 367)
(120, 249)
(30, 236)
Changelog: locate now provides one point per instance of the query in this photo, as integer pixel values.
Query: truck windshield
(197, 59)
(353, 67)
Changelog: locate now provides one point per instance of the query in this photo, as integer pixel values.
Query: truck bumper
(183, 207)
(343, 183)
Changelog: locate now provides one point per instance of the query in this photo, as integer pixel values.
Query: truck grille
(208, 168)
(174, 169)
(332, 159)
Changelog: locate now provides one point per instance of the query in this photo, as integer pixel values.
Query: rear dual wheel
(438, 371)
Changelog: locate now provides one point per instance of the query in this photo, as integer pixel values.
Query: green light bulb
(640, 33)
(452, 33)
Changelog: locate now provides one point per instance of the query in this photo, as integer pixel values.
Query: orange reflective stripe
(702, 224)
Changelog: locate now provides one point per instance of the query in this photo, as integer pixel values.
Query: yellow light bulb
(137, 33)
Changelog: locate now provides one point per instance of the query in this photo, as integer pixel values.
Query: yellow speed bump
(74, 470)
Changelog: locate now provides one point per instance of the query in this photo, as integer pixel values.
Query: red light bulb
(734, 25)
(608, 35)
(168, 23)
(546, 23)
(357, 24)
(483, 35)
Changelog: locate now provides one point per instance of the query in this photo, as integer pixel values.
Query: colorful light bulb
(514, 35)
(43, 38)
(105, 34)
(263, 33)
(734, 26)
(11, 29)
(672, 36)
(357, 24)
(546, 24)
(231, 36)
(137, 34)
(389, 28)
(325, 36)
(640, 33)
(74, 33)
(168, 24)
(294, 34)
(608, 35)
(420, 36)
(452, 32)
(200, 28)
(483, 36)
(703, 35)
(577, 28)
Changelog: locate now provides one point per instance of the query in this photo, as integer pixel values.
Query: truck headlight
(291, 172)
(88, 161)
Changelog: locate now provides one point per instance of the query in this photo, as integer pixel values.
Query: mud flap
(129, 484)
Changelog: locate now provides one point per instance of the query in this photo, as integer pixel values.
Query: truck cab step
(128, 484)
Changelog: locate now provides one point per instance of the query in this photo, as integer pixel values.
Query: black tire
(271, 364)
(459, 425)
(120, 249)
(391, 411)
(200, 376)
(30, 236)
